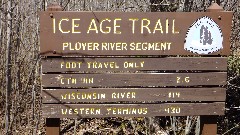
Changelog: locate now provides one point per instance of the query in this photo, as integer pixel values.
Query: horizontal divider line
(197, 86)
(138, 71)
(135, 56)
(129, 103)
(135, 87)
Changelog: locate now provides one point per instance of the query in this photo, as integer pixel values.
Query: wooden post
(54, 7)
(53, 126)
(208, 125)
(214, 8)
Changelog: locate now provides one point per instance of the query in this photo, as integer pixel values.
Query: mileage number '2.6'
(183, 79)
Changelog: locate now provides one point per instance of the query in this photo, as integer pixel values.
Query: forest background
(20, 70)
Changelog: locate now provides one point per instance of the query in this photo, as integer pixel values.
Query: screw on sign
(90, 67)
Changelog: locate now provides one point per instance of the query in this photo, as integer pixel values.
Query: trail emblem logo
(204, 37)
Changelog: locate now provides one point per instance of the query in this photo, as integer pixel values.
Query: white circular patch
(204, 37)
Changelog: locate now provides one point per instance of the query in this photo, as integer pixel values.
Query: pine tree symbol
(205, 35)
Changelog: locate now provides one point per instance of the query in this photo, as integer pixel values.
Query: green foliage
(234, 63)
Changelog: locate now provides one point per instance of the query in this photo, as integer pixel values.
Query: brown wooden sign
(115, 64)
(118, 33)
(98, 95)
(65, 65)
(133, 80)
(130, 110)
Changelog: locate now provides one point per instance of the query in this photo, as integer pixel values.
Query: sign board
(133, 80)
(137, 95)
(118, 33)
(131, 110)
(105, 64)
(73, 93)
(83, 65)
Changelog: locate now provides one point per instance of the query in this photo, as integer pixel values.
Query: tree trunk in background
(1, 27)
(8, 64)
(1, 52)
